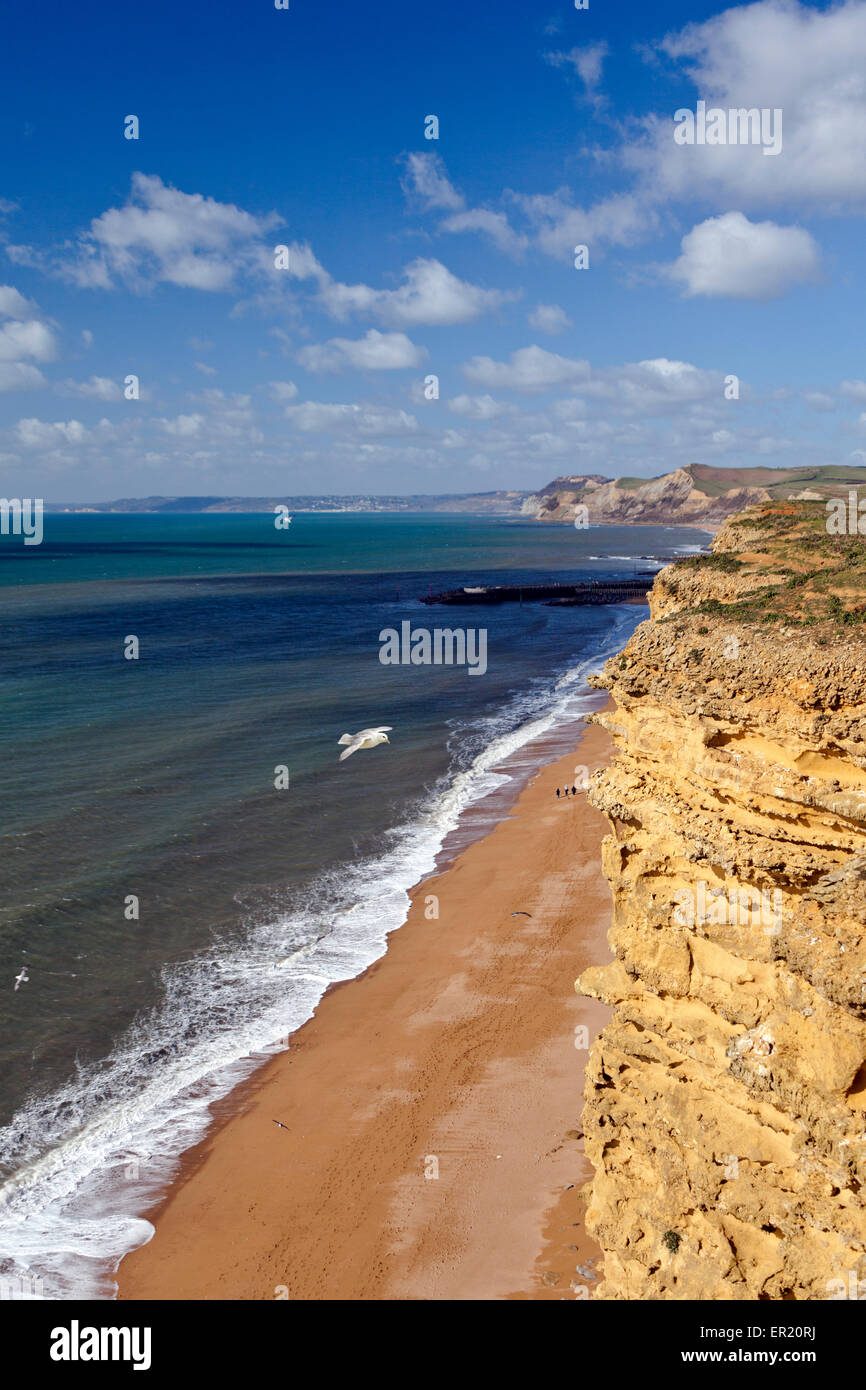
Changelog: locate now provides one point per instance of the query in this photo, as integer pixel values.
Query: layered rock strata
(725, 1104)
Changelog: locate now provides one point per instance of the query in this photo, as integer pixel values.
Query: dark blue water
(177, 910)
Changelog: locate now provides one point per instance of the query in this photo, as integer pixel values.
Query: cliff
(698, 495)
(725, 1104)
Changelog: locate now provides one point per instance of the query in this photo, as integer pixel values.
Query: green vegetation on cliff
(789, 569)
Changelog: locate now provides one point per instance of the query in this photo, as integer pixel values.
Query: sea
(186, 865)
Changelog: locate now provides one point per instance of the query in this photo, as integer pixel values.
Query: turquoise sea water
(154, 779)
(86, 547)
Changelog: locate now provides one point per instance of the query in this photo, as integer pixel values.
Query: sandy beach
(433, 1146)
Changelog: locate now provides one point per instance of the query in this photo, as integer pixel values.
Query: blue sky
(411, 257)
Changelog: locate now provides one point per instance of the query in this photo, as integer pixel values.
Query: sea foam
(88, 1158)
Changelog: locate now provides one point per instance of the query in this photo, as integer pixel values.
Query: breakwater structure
(587, 592)
(725, 1102)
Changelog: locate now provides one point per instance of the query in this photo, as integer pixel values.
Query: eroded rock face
(670, 499)
(725, 1109)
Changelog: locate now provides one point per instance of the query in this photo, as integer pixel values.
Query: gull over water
(365, 738)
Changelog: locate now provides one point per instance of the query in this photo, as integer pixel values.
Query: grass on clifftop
(827, 480)
(814, 575)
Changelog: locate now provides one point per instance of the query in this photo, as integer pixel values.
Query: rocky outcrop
(697, 495)
(725, 1106)
(556, 501)
(668, 500)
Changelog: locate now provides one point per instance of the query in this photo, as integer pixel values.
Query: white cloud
(374, 352)
(855, 390)
(20, 376)
(283, 390)
(27, 339)
(41, 434)
(213, 395)
(819, 400)
(549, 318)
(478, 407)
(619, 220)
(321, 417)
(430, 294)
(587, 62)
(22, 336)
(162, 234)
(807, 61)
(303, 264)
(492, 224)
(13, 305)
(731, 256)
(183, 426)
(427, 181)
(530, 369)
(655, 386)
(227, 416)
(99, 387)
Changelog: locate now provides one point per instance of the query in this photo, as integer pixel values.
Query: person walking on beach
(557, 793)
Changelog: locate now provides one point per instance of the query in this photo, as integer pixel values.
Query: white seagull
(22, 978)
(365, 738)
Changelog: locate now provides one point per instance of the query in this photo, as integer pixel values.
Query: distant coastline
(697, 495)
(494, 503)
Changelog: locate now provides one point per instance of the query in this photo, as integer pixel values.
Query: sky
(425, 328)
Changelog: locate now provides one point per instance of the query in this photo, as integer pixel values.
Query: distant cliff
(725, 1106)
(697, 495)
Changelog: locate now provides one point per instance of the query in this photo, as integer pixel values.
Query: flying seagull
(365, 738)
(22, 978)
(279, 1124)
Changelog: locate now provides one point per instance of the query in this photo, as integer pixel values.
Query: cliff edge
(725, 1104)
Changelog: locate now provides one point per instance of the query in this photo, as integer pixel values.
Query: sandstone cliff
(669, 500)
(697, 495)
(725, 1107)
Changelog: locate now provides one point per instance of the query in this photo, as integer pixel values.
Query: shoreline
(398, 1176)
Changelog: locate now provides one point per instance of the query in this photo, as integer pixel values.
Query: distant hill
(496, 503)
(697, 495)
